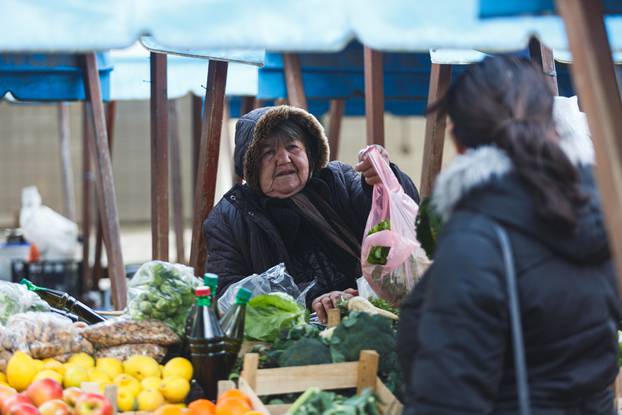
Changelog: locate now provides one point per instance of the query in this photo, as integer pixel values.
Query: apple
(55, 407)
(14, 400)
(93, 404)
(5, 392)
(71, 395)
(44, 390)
(24, 409)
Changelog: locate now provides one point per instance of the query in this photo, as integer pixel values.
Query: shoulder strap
(515, 320)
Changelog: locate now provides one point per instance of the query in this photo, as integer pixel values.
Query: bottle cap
(211, 280)
(203, 292)
(243, 295)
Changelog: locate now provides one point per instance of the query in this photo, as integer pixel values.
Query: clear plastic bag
(392, 259)
(15, 299)
(43, 335)
(275, 279)
(162, 291)
(118, 331)
(125, 351)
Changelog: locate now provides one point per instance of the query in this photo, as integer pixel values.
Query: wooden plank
(374, 96)
(64, 144)
(543, 57)
(249, 368)
(367, 371)
(335, 116)
(388, 403)
(334, 317)
(176, 183)
(197, 115)
(159, 158)
(225, 385)
(250, 393)
(594, 77)
(247, 105)
(104, 185)
(293, 80)
(208, 159)
(440, 77)
(111, 112)
(87, 190)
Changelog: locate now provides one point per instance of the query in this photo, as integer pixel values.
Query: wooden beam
(208, 160)
(87, 190)
(248, 104)
(293, 80)
(64, 144)
(374, 96)
(594, 77)
(335, 116)
(440, 77)
(104, 185)
(111, 111)
(197, 115)
(543, 57)
(159, 158)
(176, 183)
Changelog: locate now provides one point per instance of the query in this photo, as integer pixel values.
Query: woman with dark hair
(529, 172)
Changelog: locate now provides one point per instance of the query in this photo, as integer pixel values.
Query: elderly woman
(295, 207)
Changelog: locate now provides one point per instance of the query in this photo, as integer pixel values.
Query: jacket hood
(483, 180)
(253, 128)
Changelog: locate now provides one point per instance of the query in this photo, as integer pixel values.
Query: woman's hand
(366, 168)
(325, 302)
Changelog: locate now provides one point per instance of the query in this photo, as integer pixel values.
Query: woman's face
(284, 168)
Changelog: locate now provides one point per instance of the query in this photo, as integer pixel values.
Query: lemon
(82, 359)
(20, 370)
(110, 366)
(39, 364)
(150, 400)
(75, 375)
(126, 400)
(151, 382)
(2, 377)
(141, 367)
(96, 375)
(53, 364)
(175, 389)
(49, 373)
(178, 367)
(125, 381)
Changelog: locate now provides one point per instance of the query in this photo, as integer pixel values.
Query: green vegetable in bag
(378, 254)
(269, 314)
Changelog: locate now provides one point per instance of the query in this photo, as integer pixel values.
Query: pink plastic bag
(392, 259)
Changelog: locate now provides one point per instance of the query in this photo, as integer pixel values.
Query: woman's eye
(292, 147)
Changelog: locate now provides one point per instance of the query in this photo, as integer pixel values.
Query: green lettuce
(269, 314)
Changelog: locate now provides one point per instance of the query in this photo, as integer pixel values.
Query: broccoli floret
(304, 352)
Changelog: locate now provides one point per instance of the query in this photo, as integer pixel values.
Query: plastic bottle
(232, 324)
(211, 281)
(207, 345)
(64, 301)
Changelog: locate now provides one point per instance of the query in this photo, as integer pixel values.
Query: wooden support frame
(208, 159)
(543, 57)
(197, 116)
(440, 77)
(104, 184)
(159, 157)
(335, 117)
(293, 80)
(247, 105)
(374, 96)
(176, 182)
(64, 144)
(594, 77)
(87, 190)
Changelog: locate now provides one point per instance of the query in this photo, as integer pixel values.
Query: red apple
(5, 392)
(44, 390)
(14, 400)
(93, 404)
(71, 395)
(55, 407)
(24, 409)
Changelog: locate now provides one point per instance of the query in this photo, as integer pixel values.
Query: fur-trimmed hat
(254, 128)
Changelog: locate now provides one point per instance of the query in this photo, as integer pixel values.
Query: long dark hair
(505, 101)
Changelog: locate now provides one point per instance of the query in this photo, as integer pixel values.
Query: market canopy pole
(374, 96)
(197, 108)
(594, 77)
(544, 58)
(159, 157)
(64, 138)
(293, 80)
(208, 159)
(104, 184)
(87, 189)
(335, 116)
(176, 183)
(440, 78)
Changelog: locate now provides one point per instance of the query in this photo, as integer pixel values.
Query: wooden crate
(363, 374)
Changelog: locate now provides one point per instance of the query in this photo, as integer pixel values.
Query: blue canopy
(496, 8)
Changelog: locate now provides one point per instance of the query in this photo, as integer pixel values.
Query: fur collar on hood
(479, 166)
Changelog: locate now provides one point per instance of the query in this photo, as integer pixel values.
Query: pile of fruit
(142, 384)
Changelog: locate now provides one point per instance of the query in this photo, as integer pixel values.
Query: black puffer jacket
(242, 237)
(454, 335)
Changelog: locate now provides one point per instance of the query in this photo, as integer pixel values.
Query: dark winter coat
(248, 233)
(454, 335)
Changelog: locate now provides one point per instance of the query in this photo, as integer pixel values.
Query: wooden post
(440, 77)
(367, 371)
(334, 317)
(104, 185)
(159, 158)
(543, 57)
(197, 115)
(208, 159)
(64, 139)
(293, 80)
(249, 369)
(87, 189)
(111, 111)
(248, 104)
(335, 116)
(374, 96)
(176, 184)
(594, 77)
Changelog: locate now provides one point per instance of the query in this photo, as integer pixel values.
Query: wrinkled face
(284, 168)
